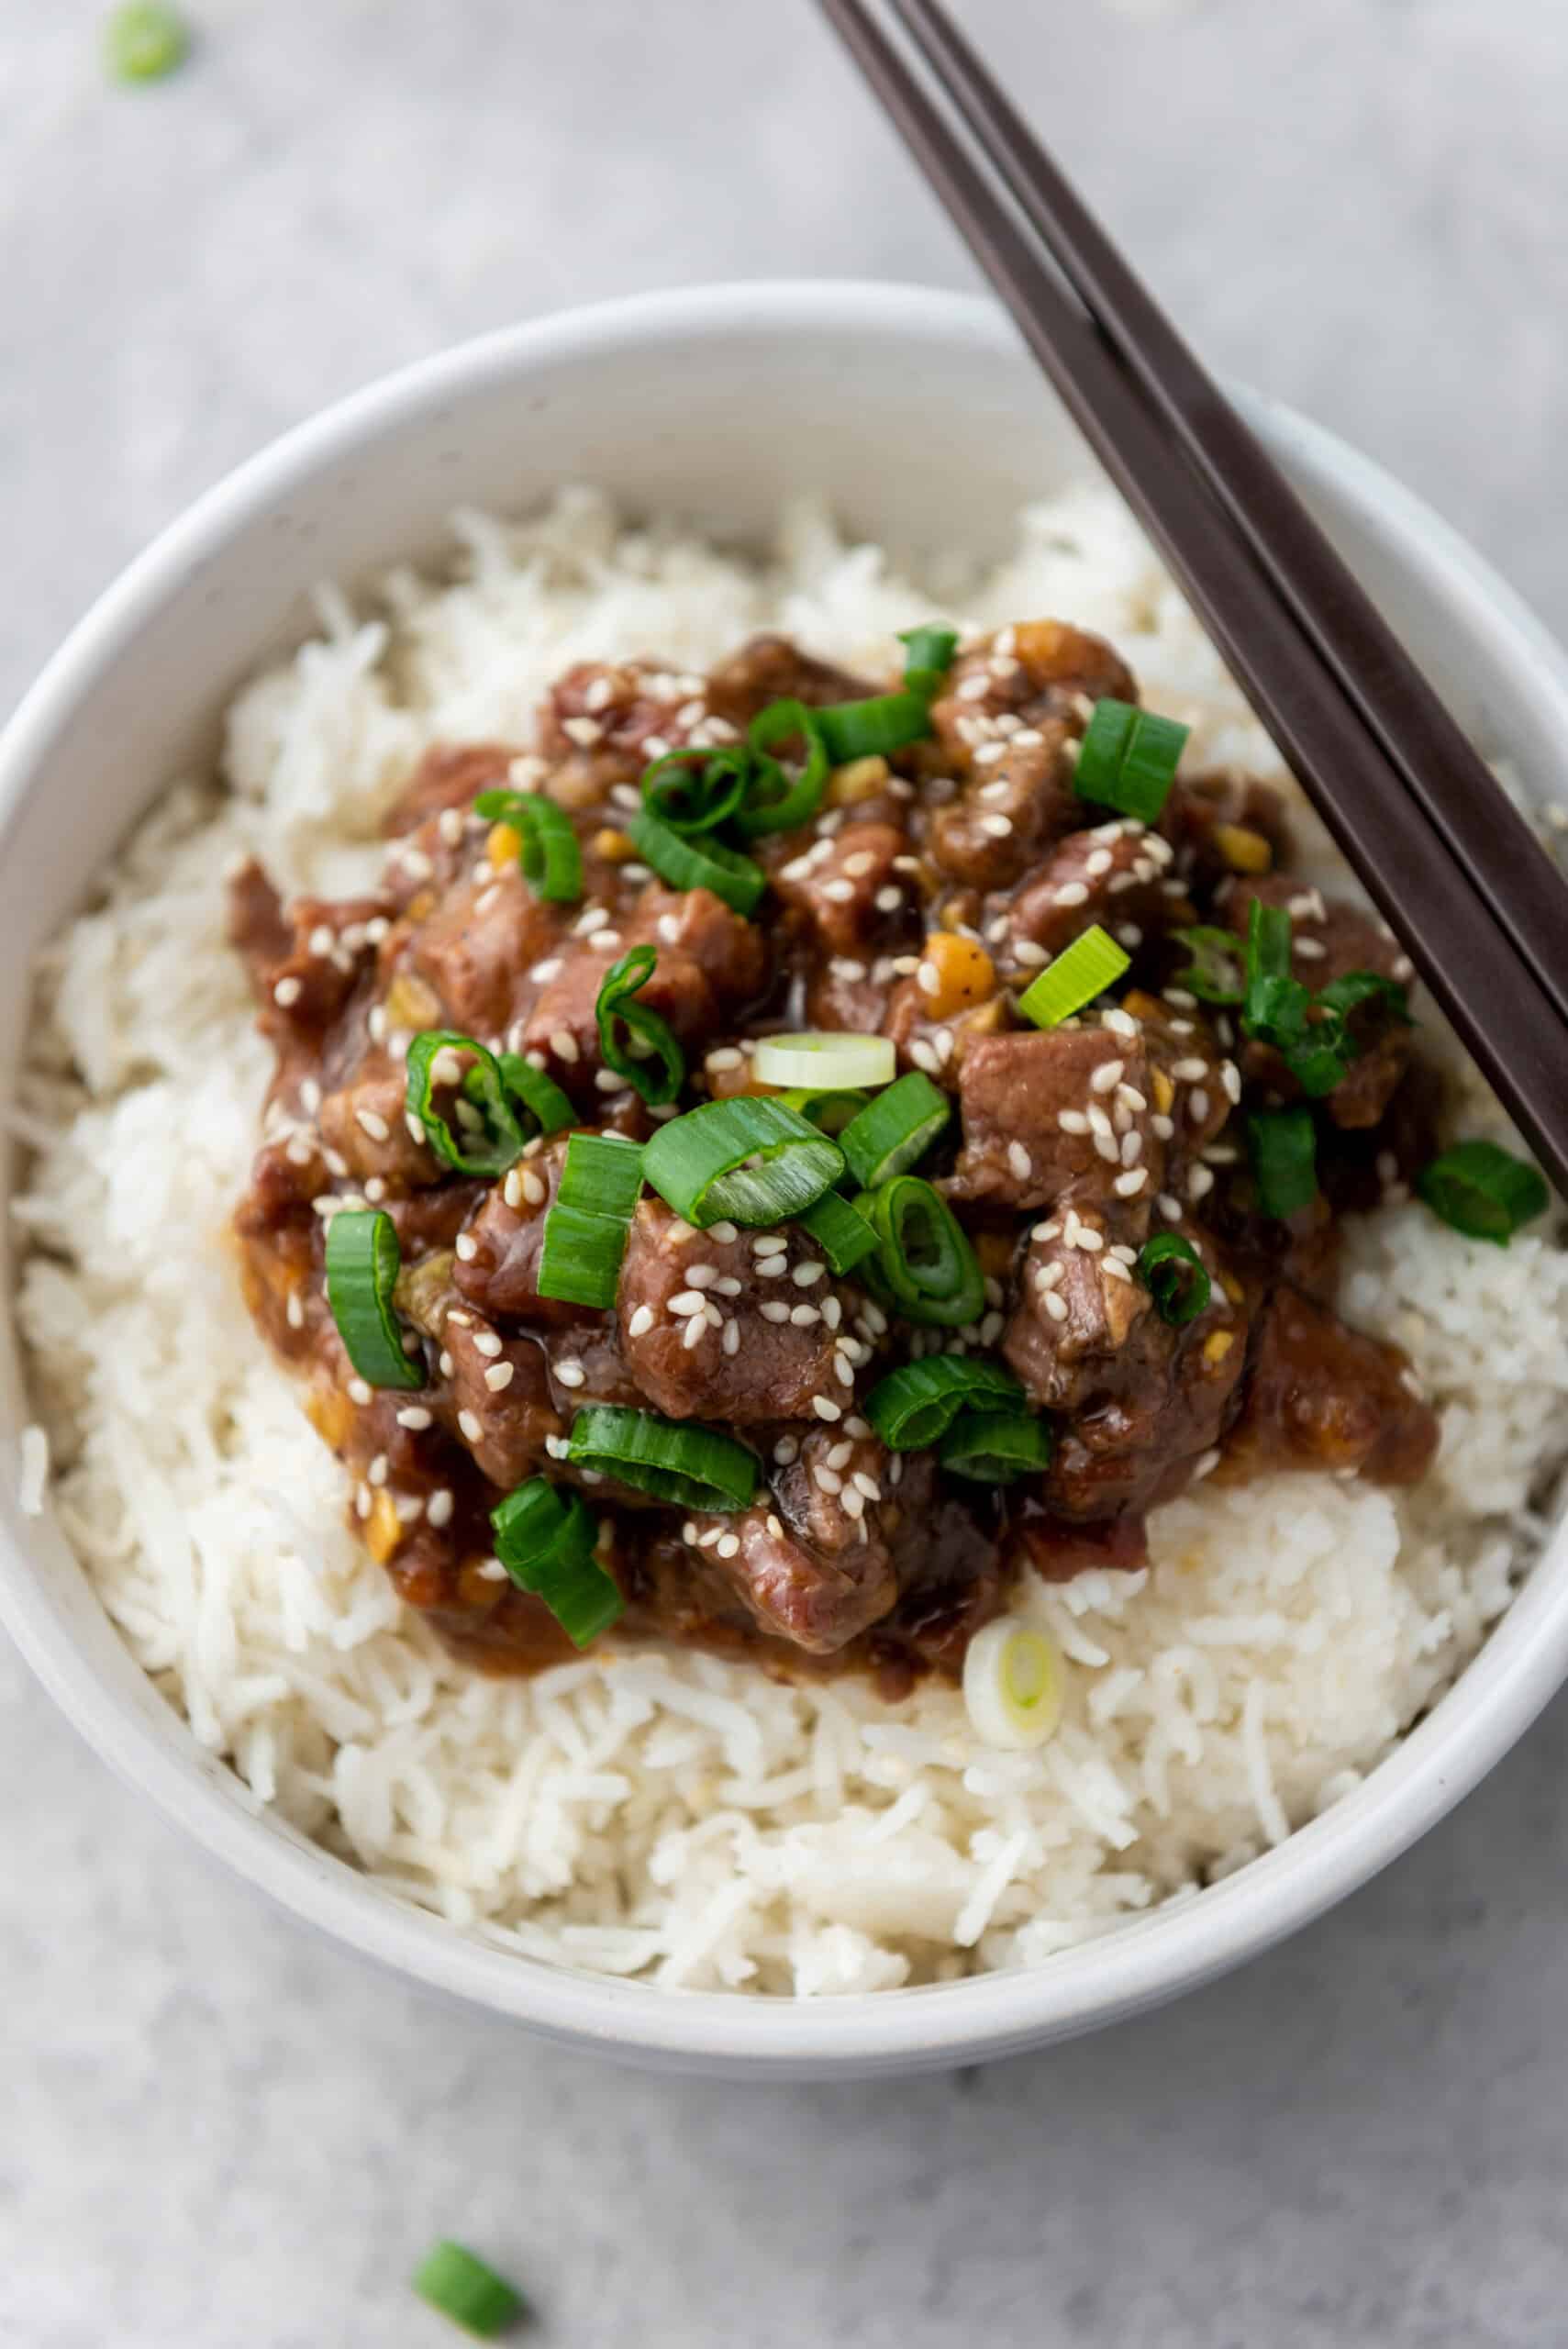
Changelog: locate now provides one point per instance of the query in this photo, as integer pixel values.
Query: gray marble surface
(212, 2133)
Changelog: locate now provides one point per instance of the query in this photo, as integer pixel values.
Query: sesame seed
(688, 1300)
(563, 1044)
(1230, 1077)
(287, 992)
(774, 1309)
(1311, 949)
(768, 1268)
(500, 1375)
(470, 1426)
(731, 1338)
(1190, 1072)
(928, 979)
(414, 1417)
(359, 1392)
(1128, 1185)
(694, 1332)
(439, 1507)
(999, 828)
(702, 1276)
(1019, 1161)
(570, 1373)
(807, 1275)
(1108, 1077)
(535, 1190)
(832, 1311)
(826, 1410)
(1161, 1126)
(839, 893)
(1131, 1148)
(767, 1243)
(725, 1057)
(1113, 1270)
(827, 1479)
(1200, 1182)
(1072, 893)
(803, 1316)
(1197, 1104)
(889, 899)
(1055, 1306)
(1073, 1121)
(1169, 1207)
(487, 1343)
(467, 1247)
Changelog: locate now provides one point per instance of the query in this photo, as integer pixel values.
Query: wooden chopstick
(1489, 990)
(1439, 764)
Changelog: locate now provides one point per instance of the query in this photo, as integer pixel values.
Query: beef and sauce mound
(622, 1331)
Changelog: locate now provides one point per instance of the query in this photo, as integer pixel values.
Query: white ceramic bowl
(920, 415)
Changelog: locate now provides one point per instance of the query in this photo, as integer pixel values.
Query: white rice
(657, 1813)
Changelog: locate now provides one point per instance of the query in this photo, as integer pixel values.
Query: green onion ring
(616, 1007)
(747, 1158)
(482, 1085)
(1092, 963)
(549, 1547)
(589, 1220)
(675, 1461)
(894, 1130)
(1175, 1274)
(1483, 1191)
(914, 1405)
(996, 1447)
(693, 864)
(363, 1260)
(551, 856)
(923, 1260)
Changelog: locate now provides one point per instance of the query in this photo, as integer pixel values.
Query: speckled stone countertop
(215, 2133)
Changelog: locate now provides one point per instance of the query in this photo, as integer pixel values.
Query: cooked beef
(1322, 1396)
(931, 887)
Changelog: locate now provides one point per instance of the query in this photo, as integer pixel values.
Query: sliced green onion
(691, 864)
(1483, 1191)
(1092, 963)
(845, 1238)
(496, 1138)
(363, 1260)
(1218, 970)
(1174, 1274)
(1128, 759)
(894, 1129)
(826, 1107)
(924, 1259)
(748, 1158)
(915, 1406)
(1012, 1685)
(545, 1108)
(927, 657)
(585, 1229)
(774, 803)
(829, 1060)
(996, 1447)
(550, 856)
(616, 1009)
(547, 1545)
(695, 790)
(458, 2286)
(860, 729)
(1312, 1033)
(143, 41)
(1284, 1160)
(691, 1466)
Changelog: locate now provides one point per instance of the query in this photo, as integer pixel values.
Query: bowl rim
(1159, 1956)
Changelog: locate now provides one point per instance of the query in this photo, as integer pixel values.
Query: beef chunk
(1224, 823)
(257, 928)
(770, 668)
(1116, 875)
(1165, 1402)
(479, 946)
(498, 1268)
(1011, 710)
(1322, 1395)
(604, 721)
(1080, 1303)
(811, 1559)
(1329, 939)
(497, 1398)
(835, 890)
(1055, 1106)
(365, 1123)
(710, 962)
(765, 1338)
(449, 776)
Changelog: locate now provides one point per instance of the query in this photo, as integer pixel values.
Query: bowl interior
(924, 421)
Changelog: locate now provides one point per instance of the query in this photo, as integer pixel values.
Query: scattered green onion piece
(547, 1545)
(1483, 1191)
(660, 1071)
(1092, 963)
(483, 1086)
(915, 1406)
(1218, 971)
(550, 857)
(1128, 759)
(748, 1158)
(927, 657)
(996, 1447)
(1175, 1274)
(845, 1238)
(546, 1108)
(363, 1260)
(825, 1105)
(860, 729)
(775, 803)
(923, 1260)
(585, 1229)
(1012, 1685)
(694, 791)
(1284, 1160)
(693, 1468)
(458, 2286)
(144, 41)
(894, 1129)
(691, 864)
(829, 1059)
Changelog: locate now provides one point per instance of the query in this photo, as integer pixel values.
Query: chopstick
(1437, 763)
(1455, 932)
